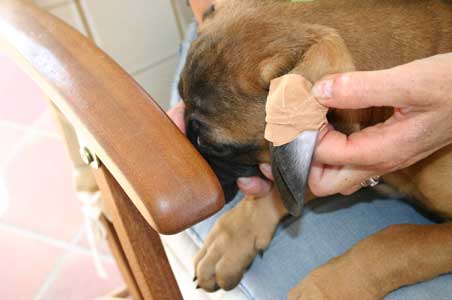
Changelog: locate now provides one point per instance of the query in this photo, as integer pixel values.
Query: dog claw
(198, 287)
(195, 278)
(261, 253)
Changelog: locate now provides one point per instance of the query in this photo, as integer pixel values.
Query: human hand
(256, 186)
(176, 114)
(421, 94)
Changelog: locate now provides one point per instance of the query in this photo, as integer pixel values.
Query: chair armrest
(165, 177)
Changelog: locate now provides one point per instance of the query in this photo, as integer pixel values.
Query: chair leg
(142, 246)
(136, 246)
(121, 260)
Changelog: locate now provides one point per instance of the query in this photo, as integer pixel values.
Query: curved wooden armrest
(167, 180)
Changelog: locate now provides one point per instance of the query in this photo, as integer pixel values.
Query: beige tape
(291, 109)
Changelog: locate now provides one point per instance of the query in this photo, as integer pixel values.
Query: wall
(141, 35)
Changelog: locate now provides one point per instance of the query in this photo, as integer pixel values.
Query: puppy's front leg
(397, 256)
(235, 240)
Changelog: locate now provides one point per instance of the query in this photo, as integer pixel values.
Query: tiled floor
(43, 253)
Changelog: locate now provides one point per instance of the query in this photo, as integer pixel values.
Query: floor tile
(10, 137)
(102, 246)
(47, 124)
(78, 280)
(39, 184)
(25, 265)
(4, 198)
(21, 100)
(157, 81)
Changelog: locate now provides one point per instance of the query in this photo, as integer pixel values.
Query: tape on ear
(290, 110)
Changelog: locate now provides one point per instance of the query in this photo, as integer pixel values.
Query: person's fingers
(363, 89)
(176, 114)
(266, 169)
(327, 180)
(353, 189)
(380, 145)
(254, 186)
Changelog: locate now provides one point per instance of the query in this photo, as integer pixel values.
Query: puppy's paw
(333, 281)
(233, 243)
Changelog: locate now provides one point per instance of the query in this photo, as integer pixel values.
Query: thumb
(356, 90)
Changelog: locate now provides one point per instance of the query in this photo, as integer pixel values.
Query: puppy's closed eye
(214, 149)
(209, 12)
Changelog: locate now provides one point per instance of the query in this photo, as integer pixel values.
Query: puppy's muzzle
(225, 166)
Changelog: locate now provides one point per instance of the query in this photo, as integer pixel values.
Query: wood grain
(120, 257)
(167, 180)
(142, 246)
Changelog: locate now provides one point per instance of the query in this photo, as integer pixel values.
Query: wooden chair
(151, 179)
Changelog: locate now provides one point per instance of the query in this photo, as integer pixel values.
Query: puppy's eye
(222, 150)
(208, 12)
(216, 150)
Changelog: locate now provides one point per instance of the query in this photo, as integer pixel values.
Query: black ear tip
(292, 205)
(290, 166)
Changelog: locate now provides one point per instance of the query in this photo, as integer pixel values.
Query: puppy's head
(225, 83)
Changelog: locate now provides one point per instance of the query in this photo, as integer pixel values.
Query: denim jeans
(327, 228)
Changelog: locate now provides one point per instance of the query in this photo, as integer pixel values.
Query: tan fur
(245, 44)
(236, 238)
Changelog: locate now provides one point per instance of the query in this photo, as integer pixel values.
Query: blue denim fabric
(327, 229)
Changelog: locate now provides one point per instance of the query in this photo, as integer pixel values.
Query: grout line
(177, 17)
(154, 64)
(4, 197)
(84, 19)
(51, 277)
(56, 270)
(69, 246)
(56, 5)
(28, 137)
(30, 128)
(42, 119)
(30, 134)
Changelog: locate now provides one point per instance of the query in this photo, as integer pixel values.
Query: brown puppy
(242, 45)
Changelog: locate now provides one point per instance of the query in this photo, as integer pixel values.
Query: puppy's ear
(274, 67)
(290, 167)
(314, 52)
(291, 162)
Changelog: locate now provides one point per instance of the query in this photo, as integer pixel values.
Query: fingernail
(244, 181)
(323, 89)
